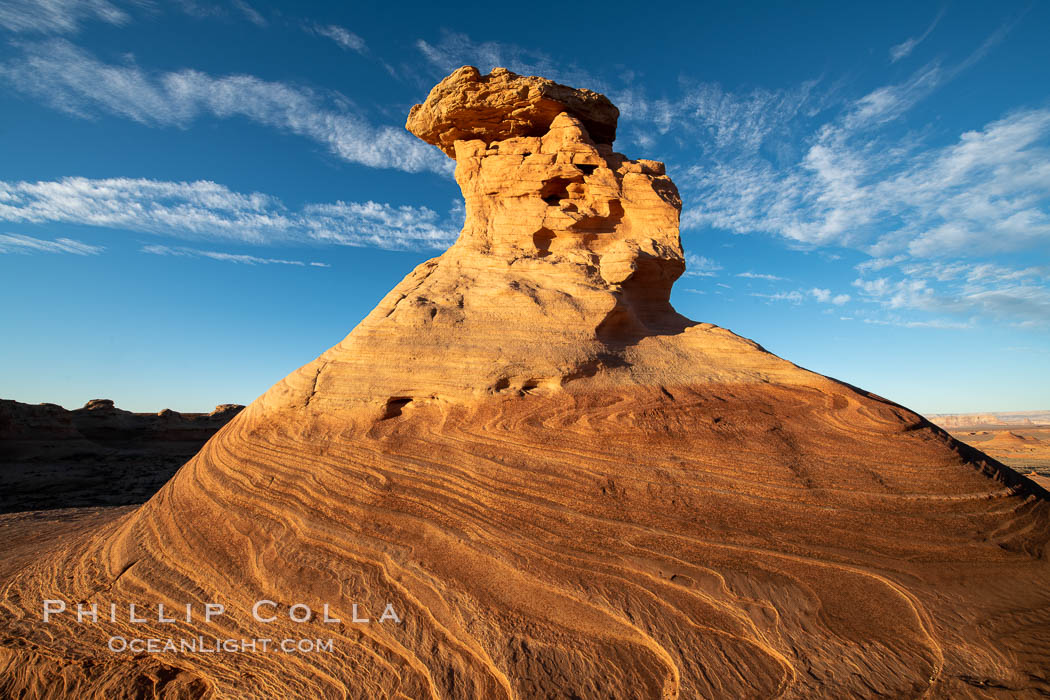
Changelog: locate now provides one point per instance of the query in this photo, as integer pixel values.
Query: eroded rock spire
(567, 253)
(539, 177)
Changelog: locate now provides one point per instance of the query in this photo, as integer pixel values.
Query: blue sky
(197, 198)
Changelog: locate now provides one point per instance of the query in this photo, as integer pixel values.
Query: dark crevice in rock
(394, 405)
(556, 189)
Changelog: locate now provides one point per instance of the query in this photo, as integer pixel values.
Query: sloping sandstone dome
(563, 487)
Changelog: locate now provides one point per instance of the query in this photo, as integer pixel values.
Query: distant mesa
(1009, 437)
(975, 420)
(565, 487)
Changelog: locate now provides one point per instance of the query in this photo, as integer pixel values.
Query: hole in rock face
(542, 240)
(555, 190)
(394, 405)
(587, 169)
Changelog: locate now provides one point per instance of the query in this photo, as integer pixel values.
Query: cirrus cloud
(207, 210)
(19, 243)
(57, 16)
(70, 79)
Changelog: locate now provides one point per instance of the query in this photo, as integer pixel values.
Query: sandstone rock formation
(468, 106)
(563, 487)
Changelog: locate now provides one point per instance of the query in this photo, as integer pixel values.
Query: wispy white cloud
(211, 10)
(760, 276)
(899, 51)
(206, 210)
(876, 264)
(72, 80)
(193, 209)
(987, 193)
(825, 296)
(853, 184)
(984, 290)
(795, 297)
(18, 243)
(57, 16)
(720, 120)
(199, 9)
(700, 266)
(889, 102)
(181, 251)
(250, 13)
(457, 49)
(973, 274)
(944, 324)
(381, 225)
(904, 49)
(342, 36)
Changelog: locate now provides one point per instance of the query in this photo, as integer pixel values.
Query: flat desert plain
(1025, 448)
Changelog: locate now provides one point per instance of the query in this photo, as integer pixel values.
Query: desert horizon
(524, 368)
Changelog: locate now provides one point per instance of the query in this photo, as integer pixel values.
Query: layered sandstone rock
(563, 487)
(468, 106)
(566, 248)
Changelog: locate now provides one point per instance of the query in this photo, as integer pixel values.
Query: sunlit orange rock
(469, 106)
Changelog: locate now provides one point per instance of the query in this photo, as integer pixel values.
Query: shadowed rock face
(565, 488)
(98, 455)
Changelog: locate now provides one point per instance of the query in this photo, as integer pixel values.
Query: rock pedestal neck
(563, 487)
(566, 258)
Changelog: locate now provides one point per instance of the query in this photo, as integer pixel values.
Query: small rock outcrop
(100, 405)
